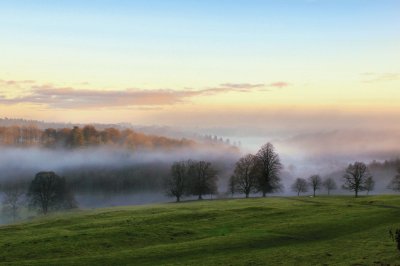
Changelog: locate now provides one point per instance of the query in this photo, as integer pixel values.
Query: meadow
(336, 230)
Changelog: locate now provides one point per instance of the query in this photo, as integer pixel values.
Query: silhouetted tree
(49, 191)
(300, 185)
(315, 183)
(329, 184)
(203, 178)
(176, 183)
(269, 166)
(355, 177)
(369, 184)
(244, 177)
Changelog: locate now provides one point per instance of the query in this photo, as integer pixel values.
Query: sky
(250, 66)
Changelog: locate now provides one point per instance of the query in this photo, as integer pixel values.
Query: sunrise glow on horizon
(170, 62)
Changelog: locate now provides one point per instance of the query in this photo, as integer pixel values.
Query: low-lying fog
(113, 177)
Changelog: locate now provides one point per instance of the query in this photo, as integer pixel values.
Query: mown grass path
(261, 231)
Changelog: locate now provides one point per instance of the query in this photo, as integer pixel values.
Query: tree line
(253, 173)
(260, 173)
(357, 178)
(86, 136)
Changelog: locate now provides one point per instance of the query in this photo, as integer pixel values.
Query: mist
(106, 176)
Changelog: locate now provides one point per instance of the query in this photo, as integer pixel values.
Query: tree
(49, 191)
(300, 185)
(176, 183)
(315, 183)
(203, 178)
(244, 177)
(76, 137)
(355, 177)
(269, 166)
(90, 135)
(369, 184)
(329, 184)
(12, 200)
(395, 183)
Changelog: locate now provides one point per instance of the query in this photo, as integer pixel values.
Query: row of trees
(357, 178)
(314, 182)
(257, 173)
(260, 173)
(253, 173)
(85, 136)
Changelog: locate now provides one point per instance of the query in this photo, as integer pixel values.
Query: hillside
(271, 231)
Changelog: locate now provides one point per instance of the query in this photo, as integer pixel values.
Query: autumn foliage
(87, 136)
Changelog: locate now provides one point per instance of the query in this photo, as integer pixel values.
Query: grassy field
(270, 231)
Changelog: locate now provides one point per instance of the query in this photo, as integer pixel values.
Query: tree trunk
(247, 195)
(200, 197)
(298, 193)
(178, 199)
(314, 193)
(264, 194)
(356, 193)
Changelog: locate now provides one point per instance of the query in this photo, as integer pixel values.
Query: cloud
(241, 86)
(70, 97)
(279, 84)
(370, 77)
(16, 82)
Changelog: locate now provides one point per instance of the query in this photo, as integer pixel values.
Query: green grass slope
(270, 231)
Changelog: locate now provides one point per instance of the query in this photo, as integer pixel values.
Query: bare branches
(244, 179)
(315, 183)
(300, 185)
(269, 166)
(355, 177)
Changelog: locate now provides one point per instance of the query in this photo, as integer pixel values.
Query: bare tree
(300, 185)
(355, 177)
(329, 184)
(49, 191)
(269, 166)
(395, 183)
(13, 199)
(244, 176)
(369, 184)
(203, 178)
(315, 183)
(176, 183)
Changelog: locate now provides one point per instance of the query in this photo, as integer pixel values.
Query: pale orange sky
(190, 63)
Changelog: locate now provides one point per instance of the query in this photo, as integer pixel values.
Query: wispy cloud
(242, 86)
(16, 82)
(371, 77)
(70, 97)
(279, 84)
